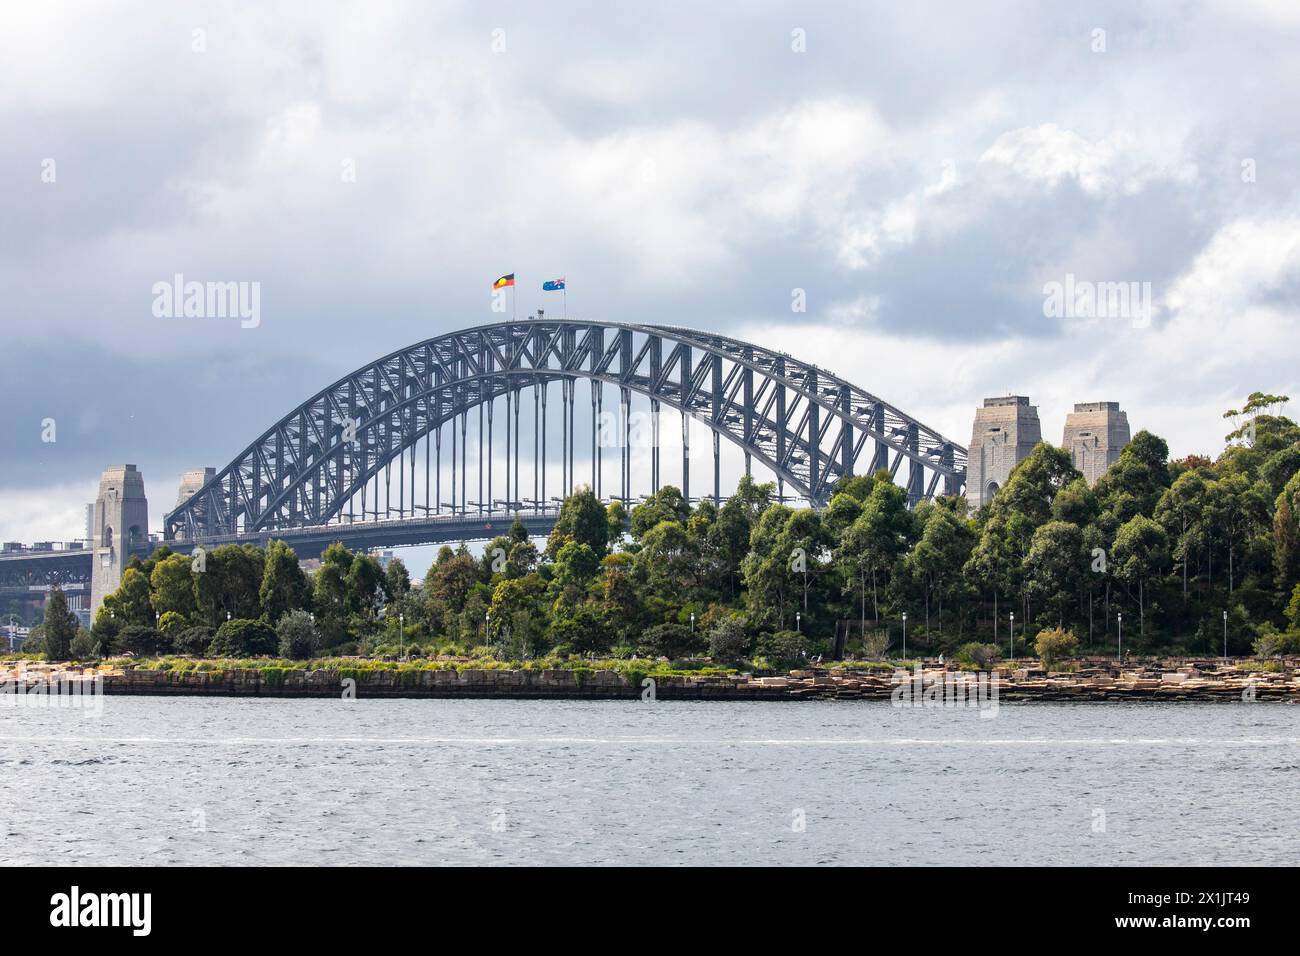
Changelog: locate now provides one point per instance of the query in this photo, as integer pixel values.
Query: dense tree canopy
(1171, 545)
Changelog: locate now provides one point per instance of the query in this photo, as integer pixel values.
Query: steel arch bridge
(808, 426)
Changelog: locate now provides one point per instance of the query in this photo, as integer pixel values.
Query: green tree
(243, 638)
(171, 586)
(582, 519)
(129, 604)
(672, 641)
(1056, 566)
(364, 580)
(284, 586)
(1134, 484)
(876, 540)
(1141, 552)
(297, 636)
(1238, 509)
(666, 504)
(1181, 512)
(1053, 645)
(937, 558)
(60, 626)
(728, 640)
(230, 585)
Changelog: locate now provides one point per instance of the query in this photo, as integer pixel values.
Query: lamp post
(1013, 637)
(1119, 620)
(401, 636)
(692, 622)
(1225, 635)
(798, 621)
(487, 625)
(904, 635)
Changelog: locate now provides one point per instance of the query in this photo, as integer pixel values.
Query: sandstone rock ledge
(1195, 680)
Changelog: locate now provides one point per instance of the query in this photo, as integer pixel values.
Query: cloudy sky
(921, 170)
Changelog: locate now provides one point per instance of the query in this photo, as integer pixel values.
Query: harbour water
(201, 781)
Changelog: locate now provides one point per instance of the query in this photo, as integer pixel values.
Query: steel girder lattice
(805, 424)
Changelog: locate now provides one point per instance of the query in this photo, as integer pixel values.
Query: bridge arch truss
(808, 426)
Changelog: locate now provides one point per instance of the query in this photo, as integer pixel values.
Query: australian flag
(553, 285)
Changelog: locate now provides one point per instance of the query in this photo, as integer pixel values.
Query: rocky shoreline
(926, 683)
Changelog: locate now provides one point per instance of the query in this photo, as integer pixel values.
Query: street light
(401, 636)
(692, 622)
(1225, 634)
(1119, 619)
(904, 635)
(1012, 655)
(798, 621)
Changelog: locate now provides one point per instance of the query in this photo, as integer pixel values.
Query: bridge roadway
(24, 572)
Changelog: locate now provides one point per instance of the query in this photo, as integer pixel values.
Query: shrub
(875, 644)
(784, 648)
(35, 643)
(243, 638)
(582, 631)
(668, 640)
(85, 646)
(981, 656)
(1273, 643)
(1053, 644)
(171, 623)
(193, 641)
(728, 640)
(138, 640)
(297, 635)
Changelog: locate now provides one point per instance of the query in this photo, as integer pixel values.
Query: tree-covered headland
(1169, 545)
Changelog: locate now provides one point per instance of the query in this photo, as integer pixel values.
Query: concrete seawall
(1141, 683)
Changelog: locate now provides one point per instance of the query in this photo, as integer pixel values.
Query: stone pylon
(119, 527)
(1005, 432)
(1095, 433)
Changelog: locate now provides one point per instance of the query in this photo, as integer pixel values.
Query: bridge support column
(573, 436)
(598, 487)
(625, 481)
(654, 445)
(537, 425)
(518, 454)
(464, 460)
(686, 457)
(545, 387)
(508, 409)
(564, 438)
(915, 470)
(717, 470)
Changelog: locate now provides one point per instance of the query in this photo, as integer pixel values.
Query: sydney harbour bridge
(382, 457)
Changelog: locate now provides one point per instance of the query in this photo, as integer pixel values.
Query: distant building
(1095, 433)
(1005, 432)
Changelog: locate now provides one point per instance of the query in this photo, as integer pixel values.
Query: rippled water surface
(229, 781)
